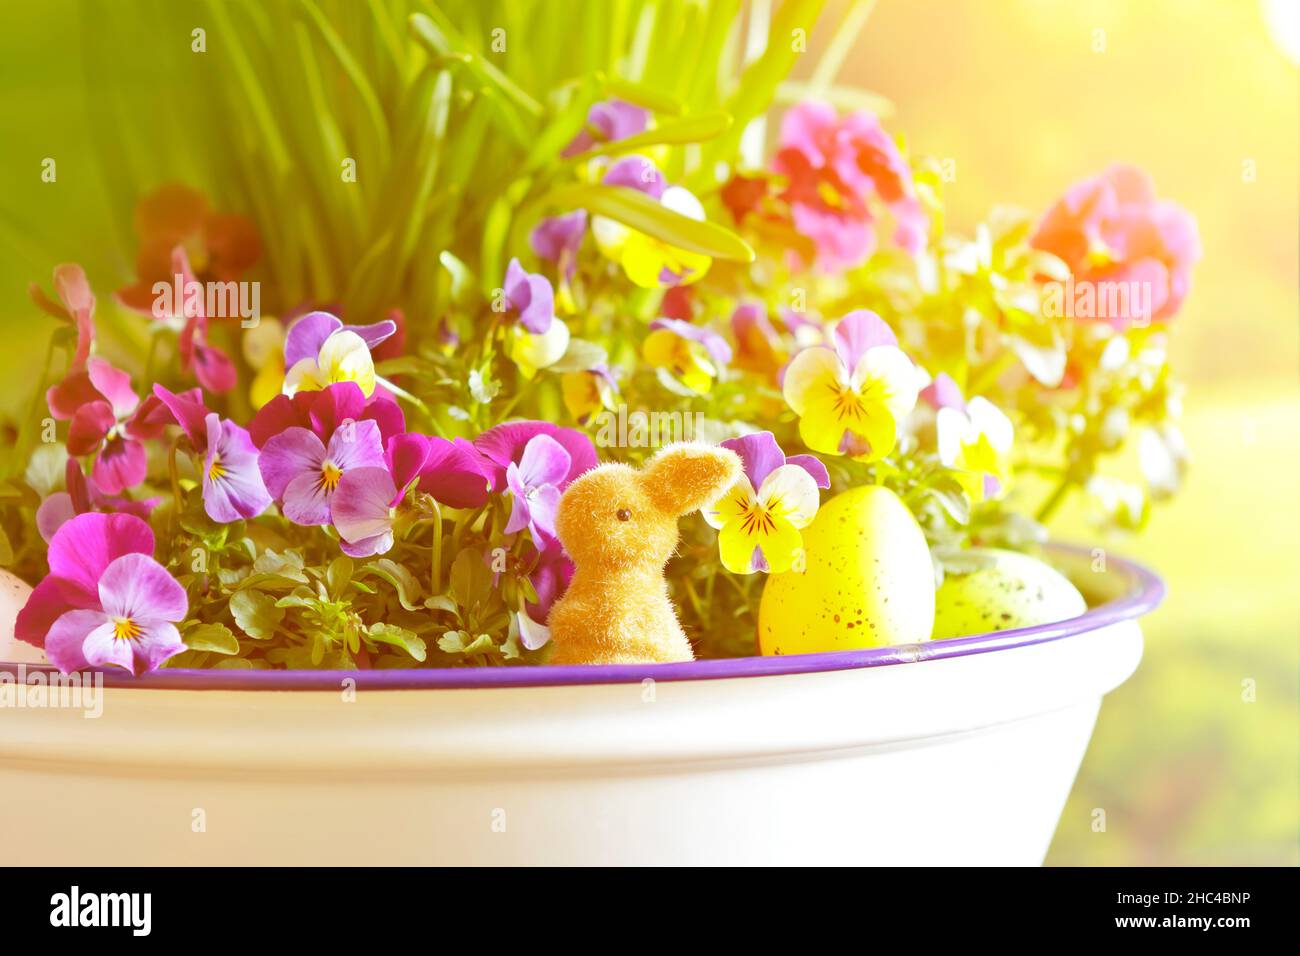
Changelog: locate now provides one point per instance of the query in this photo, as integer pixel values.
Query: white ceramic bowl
(949, 752)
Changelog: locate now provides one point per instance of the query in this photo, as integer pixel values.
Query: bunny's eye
(623, 514)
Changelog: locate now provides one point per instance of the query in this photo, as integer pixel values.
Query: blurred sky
(1026, 96)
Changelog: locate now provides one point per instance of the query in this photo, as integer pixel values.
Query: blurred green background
(1024, 96)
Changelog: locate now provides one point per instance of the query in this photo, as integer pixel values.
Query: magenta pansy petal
(84, 547)
(859, 331)
(90, 423)
(457, 474)
(44, 606)
(366, 547)
(387, 415)
(306, 336)
(188, 411)
(65, 643)
(138, 587)
(79, 490)
(373, 334)
(814, 467)
(405, 457)
(280, 413)
(113, 384)
(335, 404)
(639, 173)
(505, 443)
(214, 369)
(69, 395)
(122, 464)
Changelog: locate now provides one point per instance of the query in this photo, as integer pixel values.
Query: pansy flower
(1112, 229)
(504, 445)
(302, 472)
(851, 398)
(557, 239)
(76, 305)
(232, 482)
(649, 262)
(536, 338)
(833, 166)
(688, 354)
(974, 439)
(222, 246)
(319, 350)
(550, 577)
(323, 410)
(82, 496)
(106, 601)
(588, 392)
(760, 517)
(110, 423)
(608, 122)
(534, 482)
(211, 366)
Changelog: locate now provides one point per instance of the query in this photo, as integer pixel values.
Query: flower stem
(435, 552)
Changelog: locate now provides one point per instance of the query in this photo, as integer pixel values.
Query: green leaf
(256, 613)
(395, 636)
(216, 638)
(645, 96)
(689, 129)
(640, 212)
(338, 574)
(402, 580)
(471, 579)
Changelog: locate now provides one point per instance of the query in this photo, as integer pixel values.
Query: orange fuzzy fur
(616, 610)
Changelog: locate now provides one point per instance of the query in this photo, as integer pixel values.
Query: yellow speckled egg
(1009, 590)
(867, 582)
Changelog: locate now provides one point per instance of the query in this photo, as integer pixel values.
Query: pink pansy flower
(210, 365)
(550, 578)
(760, 517)
(454, 472)
(302, 472)
(505, 444)
(76, 305)
(608, 122)
(851, 398)
(106, 601)
(534, 483)
(558, 239)
(1113, 229)
(833, 167)
(110, 423)
(364, 508)
(81, 497)
(232, 483)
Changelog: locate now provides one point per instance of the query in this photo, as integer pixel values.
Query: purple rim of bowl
(1143, 593)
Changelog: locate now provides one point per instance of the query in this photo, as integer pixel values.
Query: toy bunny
(620, 527)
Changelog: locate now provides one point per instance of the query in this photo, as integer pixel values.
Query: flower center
(330, 474)
(848, 403)
(125, 629)
(216, 469)
(758, 519)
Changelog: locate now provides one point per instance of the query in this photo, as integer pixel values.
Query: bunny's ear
(689, 475)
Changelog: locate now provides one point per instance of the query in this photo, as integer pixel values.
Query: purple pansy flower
(558, 238)
(232, 482)
(303, 473)
(106, 601)
(760, 455)
(608, 122)
(308, 334)
(534, 483)
(530, 297)
(639, 173)
(321, 411)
